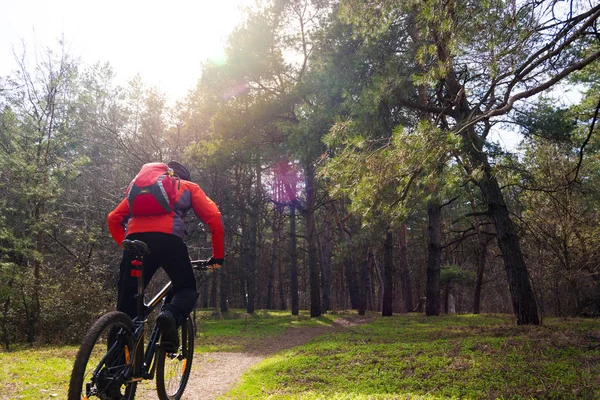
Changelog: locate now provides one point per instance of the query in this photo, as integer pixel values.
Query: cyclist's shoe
(106, 386)
(168, 331)
(112, 393)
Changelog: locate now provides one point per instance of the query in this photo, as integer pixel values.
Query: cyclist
(163, 233)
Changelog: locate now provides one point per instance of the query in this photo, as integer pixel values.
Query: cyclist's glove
(215, 263)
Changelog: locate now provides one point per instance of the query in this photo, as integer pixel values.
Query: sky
(164, 41)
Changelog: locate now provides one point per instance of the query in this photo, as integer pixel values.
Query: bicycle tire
(173, 370)
(95, 345)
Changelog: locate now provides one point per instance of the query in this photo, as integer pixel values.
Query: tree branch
(531, 92)
(585, 142)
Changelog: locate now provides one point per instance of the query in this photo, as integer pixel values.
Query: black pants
(170, 253)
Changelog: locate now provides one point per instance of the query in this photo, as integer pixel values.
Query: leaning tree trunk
(388, 275)
(434, 258)
(523, 298)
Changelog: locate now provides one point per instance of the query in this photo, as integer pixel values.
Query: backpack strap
(160, 193)
(171, 172)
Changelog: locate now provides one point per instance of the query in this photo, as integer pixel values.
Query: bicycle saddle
(137, 247)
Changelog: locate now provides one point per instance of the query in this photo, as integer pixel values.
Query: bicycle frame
(145, 369)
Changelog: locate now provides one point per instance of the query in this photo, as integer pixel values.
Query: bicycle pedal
(89, 389)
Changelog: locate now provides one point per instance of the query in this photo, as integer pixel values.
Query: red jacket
(189, 196)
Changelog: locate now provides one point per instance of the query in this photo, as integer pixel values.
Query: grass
(36, 373)
(44, 372)
(402, 357)
(456, 357)
(236, 330)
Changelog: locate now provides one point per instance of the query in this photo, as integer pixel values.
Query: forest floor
(215, 373)
(344, 356)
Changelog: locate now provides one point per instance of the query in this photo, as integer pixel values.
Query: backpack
(153, 191)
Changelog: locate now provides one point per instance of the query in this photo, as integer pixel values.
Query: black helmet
(179, 170)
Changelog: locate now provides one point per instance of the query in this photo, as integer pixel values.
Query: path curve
(214, 374)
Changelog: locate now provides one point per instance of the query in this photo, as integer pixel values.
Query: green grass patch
(449, 357)
(402, 357)
(44, 372)
(36, 373)
(238, 331)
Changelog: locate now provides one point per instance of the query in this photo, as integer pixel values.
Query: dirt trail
(213, 374)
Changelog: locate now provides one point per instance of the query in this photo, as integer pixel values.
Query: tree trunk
(252, 241)
(243, 240)
(404, 271)
(352, 283)
(597, 299)
(434, 258)
(242, 279)
(293, 261)
(388, 275)
(271, 281)
(311, 238)
(213, 291)
(446, 298)
(523, 299)
(259, 269)
(351, 280)
(224, 279)
(325, 255)
(5, 313)
(364, 279)
(205, 294)
(480, 254)
(29, 318)
(373, 303)
(282, 302)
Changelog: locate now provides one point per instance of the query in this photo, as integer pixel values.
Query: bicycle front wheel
(173, 369)
(103, 365)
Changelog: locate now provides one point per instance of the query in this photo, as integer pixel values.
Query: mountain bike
(112, 359)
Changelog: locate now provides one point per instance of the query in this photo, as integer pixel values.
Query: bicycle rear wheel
(102, 366)
(173, 369)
